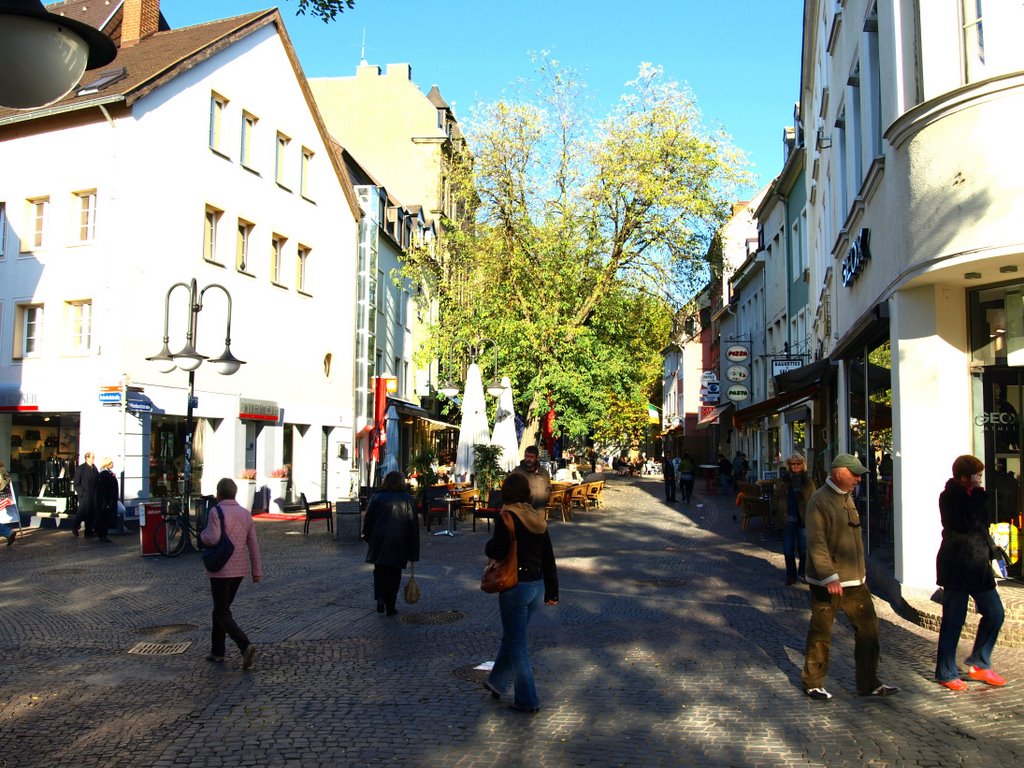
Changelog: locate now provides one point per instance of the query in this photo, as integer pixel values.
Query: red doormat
(279, 516)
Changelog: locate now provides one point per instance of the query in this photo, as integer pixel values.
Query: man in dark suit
(85, 488)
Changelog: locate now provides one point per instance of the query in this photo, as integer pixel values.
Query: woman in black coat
(393, 532)
(107, 494)
(964, 569)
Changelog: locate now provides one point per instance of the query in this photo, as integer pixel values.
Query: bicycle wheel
(170, 537)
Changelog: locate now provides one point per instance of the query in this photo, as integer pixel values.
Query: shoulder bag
(412, 589)
(217, 556)
(500, 575)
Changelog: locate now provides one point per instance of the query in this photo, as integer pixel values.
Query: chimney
(139, 19)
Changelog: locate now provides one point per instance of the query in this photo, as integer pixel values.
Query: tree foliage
(586, 235)
(324, 9)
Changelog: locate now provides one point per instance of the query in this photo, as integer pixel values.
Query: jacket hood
(534, 520)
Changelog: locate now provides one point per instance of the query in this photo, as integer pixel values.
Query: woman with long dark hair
(538, 584)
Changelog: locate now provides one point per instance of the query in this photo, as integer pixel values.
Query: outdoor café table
(709, 478)
(451, 500)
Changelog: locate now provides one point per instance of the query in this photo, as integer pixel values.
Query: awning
(812, 375)
(712, 416)
(434, 425)
(772, 405)
(411, 409)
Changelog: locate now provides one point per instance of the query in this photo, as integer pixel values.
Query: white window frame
(85, 224)
(211, 225)
(3, 231)
(38, 214)
(302, 267)
(243, 245)
(973, 40)
(246, 140)
(79, 326)
(276, 257)
(26, 315)
(281, 143)
(305, 169)
(218, 106)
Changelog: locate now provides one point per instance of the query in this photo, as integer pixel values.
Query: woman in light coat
(224, 583)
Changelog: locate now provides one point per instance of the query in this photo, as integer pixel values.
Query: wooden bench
(753, 504)
(322, 509)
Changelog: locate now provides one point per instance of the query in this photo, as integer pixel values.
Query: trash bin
(151, 514)
(347, 520)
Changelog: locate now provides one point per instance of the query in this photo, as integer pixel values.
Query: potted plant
(279, 486)
(487, 472)
(422, 466)
(247, 488)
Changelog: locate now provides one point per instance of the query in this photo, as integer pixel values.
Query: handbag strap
(220, 514)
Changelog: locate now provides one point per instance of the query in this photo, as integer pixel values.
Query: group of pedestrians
(98, 496)
(681, 471)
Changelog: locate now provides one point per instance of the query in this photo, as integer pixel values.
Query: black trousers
(86, 512)
(224, 591)
(386, 581)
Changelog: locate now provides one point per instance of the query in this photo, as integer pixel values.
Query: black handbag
(217, 556)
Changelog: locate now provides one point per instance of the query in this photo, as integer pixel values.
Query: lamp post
(473, 351)
(188, 359)
(43, 55)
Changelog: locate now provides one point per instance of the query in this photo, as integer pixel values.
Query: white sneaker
(818, 693)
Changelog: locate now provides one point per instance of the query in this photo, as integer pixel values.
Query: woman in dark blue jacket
(964, 569)
(538, 583)
(393, 532)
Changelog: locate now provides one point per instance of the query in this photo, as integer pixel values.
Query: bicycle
(177, 530)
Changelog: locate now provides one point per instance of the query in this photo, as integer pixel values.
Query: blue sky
(741, 58)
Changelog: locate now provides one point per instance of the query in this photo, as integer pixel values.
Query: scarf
(534, 520)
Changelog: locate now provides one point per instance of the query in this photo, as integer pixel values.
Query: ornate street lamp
(473, 351)
(188, 359)
(43, 55)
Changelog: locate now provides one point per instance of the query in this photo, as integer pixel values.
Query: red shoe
(956, 684)
(985, 676)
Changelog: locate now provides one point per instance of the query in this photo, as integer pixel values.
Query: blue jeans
(517, 606)
(954, 613)
(794, 543)
(5, 531)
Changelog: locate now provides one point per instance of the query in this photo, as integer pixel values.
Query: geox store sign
(856, 258)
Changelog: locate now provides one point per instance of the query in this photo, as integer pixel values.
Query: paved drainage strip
(159, 649)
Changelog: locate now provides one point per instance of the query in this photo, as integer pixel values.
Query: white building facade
(212, 166)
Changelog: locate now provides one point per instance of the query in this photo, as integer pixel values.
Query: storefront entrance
(998, 441)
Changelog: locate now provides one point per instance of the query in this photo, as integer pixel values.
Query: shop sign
(784, 364)
(705, 411)
(738, 392)
(998, 419)
(16, 400)
(708, 377)
(707, 397)
(737, 373)
(110, 398)
(258, 410)
(856, 258)
(737, 353)
(139, 406)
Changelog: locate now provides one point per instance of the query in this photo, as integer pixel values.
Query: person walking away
(724, 473)
(790, 496)
(8, 506)
(964, 569)
(393, 532)
(105, 512)
(687, 474)
(538, 584)
(245, 560)
(85, 488)
(668, 469)
(536, 476)
(836, 574)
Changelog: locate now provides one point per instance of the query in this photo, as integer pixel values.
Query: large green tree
(586, 235)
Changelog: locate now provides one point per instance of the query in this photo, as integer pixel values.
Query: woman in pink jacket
(224, 583)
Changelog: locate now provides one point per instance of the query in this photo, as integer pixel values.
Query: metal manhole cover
(660, 583)
(159, 649)
(165, 629)
(433, 617)
(470, 674)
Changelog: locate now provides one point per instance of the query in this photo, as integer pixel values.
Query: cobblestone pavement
(675, 644)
